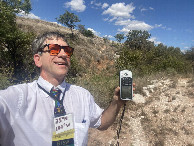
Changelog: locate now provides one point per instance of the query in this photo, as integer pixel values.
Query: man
(50, 111)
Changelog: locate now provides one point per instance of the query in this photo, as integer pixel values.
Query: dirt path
(138, 136)
(163, 117)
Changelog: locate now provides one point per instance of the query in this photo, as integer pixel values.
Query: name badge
(63, 135)
(63, 123)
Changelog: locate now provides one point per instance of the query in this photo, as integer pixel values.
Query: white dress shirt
(27, 113)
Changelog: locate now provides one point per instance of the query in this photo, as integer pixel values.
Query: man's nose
(62, 53)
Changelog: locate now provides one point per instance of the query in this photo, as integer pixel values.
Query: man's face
(54, 67)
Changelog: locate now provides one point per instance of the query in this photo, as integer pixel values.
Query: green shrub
(4, 81)
(85, 32)
(158, 59)
(101, 86)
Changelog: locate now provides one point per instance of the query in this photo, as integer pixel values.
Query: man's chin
(61, 75)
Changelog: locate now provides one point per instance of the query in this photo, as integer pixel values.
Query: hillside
(163, 116)
(89, 51)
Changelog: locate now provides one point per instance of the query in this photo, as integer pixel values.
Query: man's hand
(117, 98)
(109, 115)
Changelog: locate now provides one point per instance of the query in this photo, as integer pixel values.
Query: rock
(146, 93)
(138, 98)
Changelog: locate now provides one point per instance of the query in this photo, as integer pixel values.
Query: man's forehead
(51, 39)
(54, 38)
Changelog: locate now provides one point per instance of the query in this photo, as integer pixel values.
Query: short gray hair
(38, 43)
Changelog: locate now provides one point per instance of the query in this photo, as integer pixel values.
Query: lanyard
(60, 101)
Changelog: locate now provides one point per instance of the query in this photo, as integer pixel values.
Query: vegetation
(68, 19)
(16, 5)
(190, 56)
(14, 44)
(105, 38)
(143, 57)
(85, 32)
(119, 37)
(138, 40)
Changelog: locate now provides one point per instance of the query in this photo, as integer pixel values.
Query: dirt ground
(163, 116)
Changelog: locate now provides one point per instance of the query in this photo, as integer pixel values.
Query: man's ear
(37, 60)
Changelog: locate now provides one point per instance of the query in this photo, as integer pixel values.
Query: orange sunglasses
(54, 49)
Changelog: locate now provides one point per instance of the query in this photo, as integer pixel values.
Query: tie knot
(55, 93)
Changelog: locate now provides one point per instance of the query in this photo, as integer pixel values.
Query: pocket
(81, 134)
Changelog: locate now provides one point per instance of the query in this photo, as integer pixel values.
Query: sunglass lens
(68, 50)
(54, 49)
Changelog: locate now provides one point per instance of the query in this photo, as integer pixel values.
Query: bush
(15, 52)
(4, 81)
(101, 86)
(75, 70)
(85, 32)
(158, 59)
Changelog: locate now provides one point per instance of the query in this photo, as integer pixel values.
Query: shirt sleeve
(4, 114)
(9, 104)
(5, 119)
(95, 114)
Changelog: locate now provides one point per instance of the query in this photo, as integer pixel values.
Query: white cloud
(186, 47)
(184, 51)
(154, 39)
(146, 9)
(120, 10)
(76, 5)
(122, 22)
(95, 32)
(106, 19)
(108, 36)
(169, 28)
(151, 8)
(30, 15)
(133, 25)
(111, 20)
(105, 5)
(121, 13)
(161, 26)
(157, 25)
(143, 9)
(92, 2)
(56, 23)
(98, 4)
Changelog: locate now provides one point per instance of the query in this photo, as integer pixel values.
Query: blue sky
(170, 22)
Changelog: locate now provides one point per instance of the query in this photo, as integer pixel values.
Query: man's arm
(110, 114)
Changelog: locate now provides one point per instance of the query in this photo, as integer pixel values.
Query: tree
(68, 19)
(189, 54)
(138, 40)
(159, 58)
(18, 5)
(85, 32)
(119, 37)
(14, 44)
(81, 28)
(105, 38)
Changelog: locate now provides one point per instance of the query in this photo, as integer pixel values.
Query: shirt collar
(48, 86)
